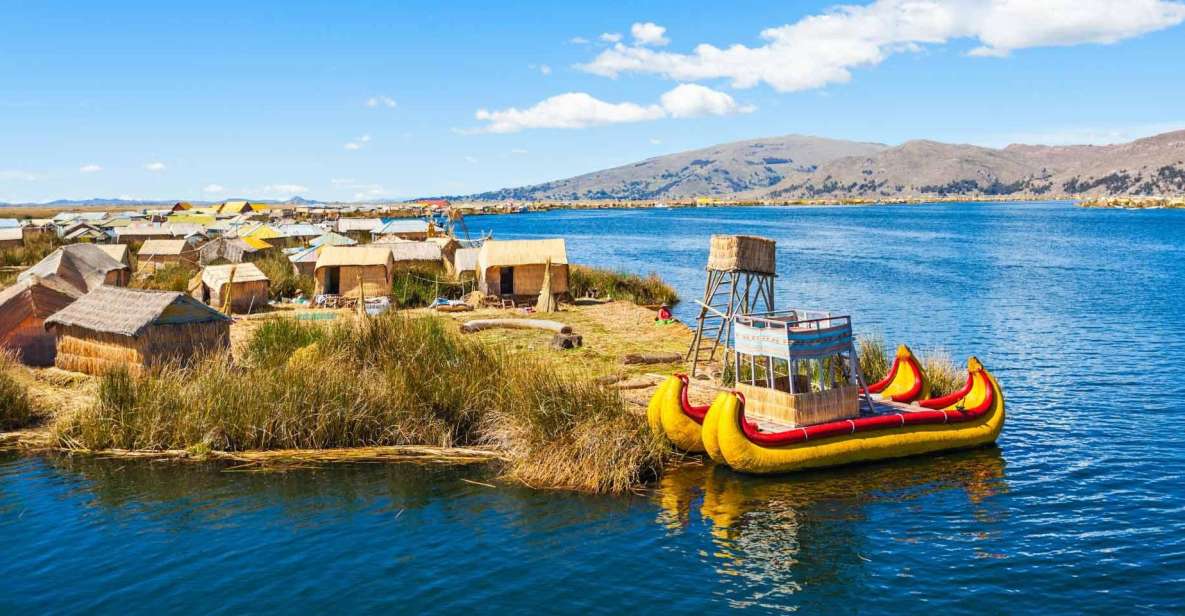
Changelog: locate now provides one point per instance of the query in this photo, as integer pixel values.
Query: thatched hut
(353, 270)
(242, 285)
(24, 307)
(12, 237)
(515, 268)
(82, 266)
(422, 256)
(227, 250)
(135, 329)
(161, 252)
(464, 263)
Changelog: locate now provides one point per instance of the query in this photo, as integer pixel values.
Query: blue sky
(353, 100)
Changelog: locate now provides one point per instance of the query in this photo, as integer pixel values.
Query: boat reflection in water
(771, 536)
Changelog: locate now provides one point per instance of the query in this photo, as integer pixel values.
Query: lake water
(1081, 507)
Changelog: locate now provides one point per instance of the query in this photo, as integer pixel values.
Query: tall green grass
(394, 380)
(419, 287)
(284, 280)
(167, 277)
(584, 281)
(16, 411)
(34, 248)
(942, 373)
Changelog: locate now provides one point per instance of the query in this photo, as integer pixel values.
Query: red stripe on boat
(870, 424)
(696, 413)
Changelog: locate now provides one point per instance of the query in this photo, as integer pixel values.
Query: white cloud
(381, 101)
(90, 168)
(519, 151)
(1081, 135)
(581, 110)
(649, 33)
(155, 167)
(213, 189)
(610, 37)
(578, 40)
(368, 191)
(821, 49)
(655, 141)
(16, 175)
(545, 69)
(357, 143)
(690, 100)
(471, 160)
(285, 190)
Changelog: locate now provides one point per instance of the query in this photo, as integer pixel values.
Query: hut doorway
(333, 276)
(506, 281)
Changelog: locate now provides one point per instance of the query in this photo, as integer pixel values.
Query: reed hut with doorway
(516, 268)
(351, 271)
(82, 266)
(227, 250)
(135, 329)
(234, 287)
(24, 307)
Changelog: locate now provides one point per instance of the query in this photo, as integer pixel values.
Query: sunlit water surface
(1080, 508)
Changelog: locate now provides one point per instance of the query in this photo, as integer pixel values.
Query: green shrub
(393, 380)
(167, 277)
(419, 287)
(34, 248)
(284, 281)
(584, 281)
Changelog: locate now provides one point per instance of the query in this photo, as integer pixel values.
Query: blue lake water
(1080, 508)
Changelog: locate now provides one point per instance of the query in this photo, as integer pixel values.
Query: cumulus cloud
(90, 168)
(213, 189)
(155, 167)
(691, 100)
(375, 102)
(649, 33)
(578, 40)
(581, 110)
(610, 37)
(822, 49)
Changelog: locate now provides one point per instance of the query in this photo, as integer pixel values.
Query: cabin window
(507, 281)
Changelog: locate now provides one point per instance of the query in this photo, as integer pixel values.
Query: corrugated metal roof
(406, 225)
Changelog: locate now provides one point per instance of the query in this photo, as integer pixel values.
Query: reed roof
(465, 259)
(508, 253)
(82, 266)
(128, 312)
(370, 254)
(214, 276)
(162, 248)
(119, 252)
(413, 251)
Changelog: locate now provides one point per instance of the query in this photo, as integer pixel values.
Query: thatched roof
(82, 266)
(128, 312)
(413, 251)
(346, 225)
(508, 253)
(33, 297)
(214, 276)
(370, 254)
(119, 252)
(465, 259)
(154, 248)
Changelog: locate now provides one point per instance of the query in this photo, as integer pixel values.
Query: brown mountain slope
(796, 167)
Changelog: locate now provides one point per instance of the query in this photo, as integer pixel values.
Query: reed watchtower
(741, 270)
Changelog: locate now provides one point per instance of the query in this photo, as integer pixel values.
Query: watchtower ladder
(740, 281)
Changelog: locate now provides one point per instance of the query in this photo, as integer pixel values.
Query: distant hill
(725, 169)
(798, 167)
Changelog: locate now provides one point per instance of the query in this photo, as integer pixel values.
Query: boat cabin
(796, 367)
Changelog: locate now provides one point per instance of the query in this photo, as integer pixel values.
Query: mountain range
(803, 167)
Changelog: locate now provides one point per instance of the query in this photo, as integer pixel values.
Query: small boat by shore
(771, 423)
